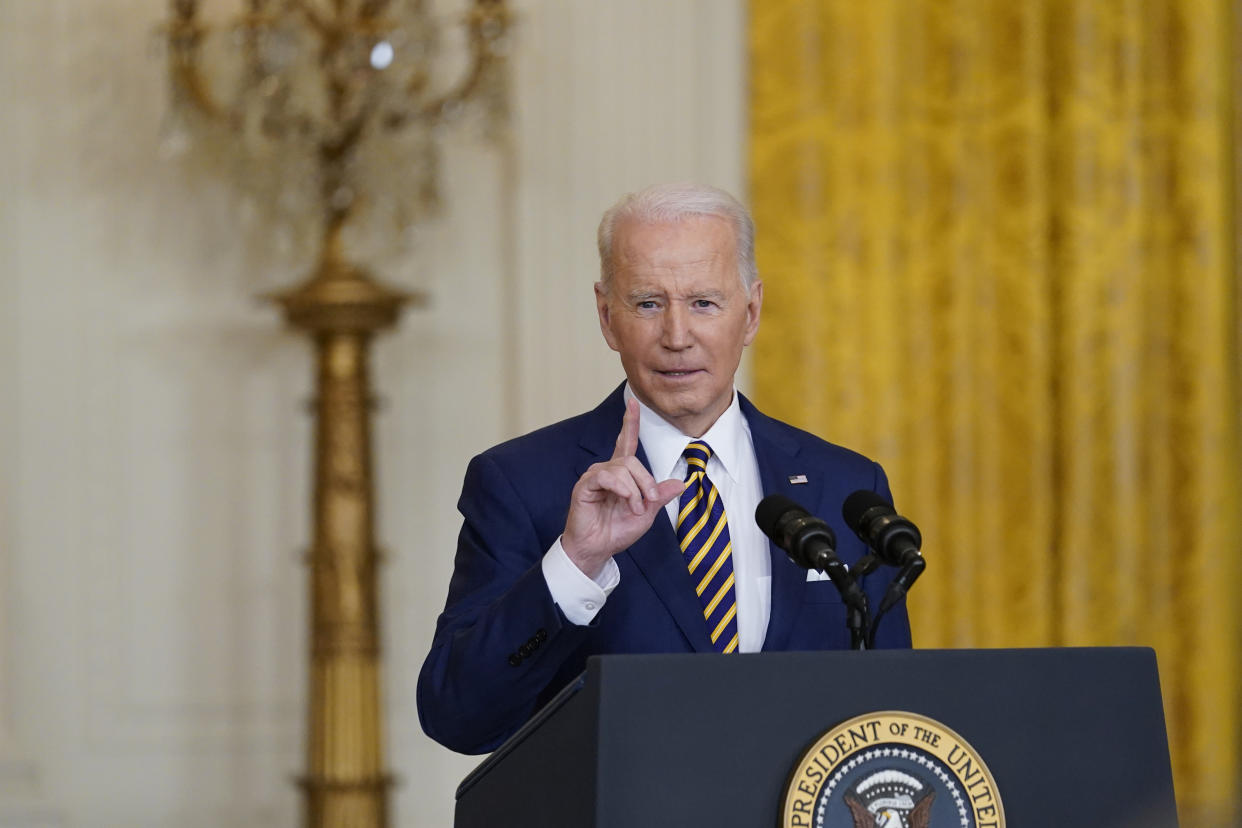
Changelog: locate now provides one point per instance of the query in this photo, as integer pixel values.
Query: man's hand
(613, 504)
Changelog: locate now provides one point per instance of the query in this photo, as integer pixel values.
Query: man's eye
(704, 303)
(647, 304)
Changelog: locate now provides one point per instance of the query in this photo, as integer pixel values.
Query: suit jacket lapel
(777, 456)
(655, 554)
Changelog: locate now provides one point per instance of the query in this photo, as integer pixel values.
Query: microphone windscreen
(770, 510)
(857, 504)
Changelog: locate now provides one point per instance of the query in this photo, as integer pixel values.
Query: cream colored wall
(153, 445)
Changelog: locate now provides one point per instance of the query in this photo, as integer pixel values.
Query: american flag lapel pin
(795, 479)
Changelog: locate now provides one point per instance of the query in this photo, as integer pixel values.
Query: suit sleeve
(501, 639)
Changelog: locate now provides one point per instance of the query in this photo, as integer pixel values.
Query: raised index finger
(627, 440)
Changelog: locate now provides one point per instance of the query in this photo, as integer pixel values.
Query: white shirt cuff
(578, 595)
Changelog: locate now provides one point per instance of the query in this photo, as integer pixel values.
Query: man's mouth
(680, 373)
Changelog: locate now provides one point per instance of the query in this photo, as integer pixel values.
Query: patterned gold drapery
(997, 240)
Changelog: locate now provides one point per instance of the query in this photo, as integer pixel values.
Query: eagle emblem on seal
(890, 799)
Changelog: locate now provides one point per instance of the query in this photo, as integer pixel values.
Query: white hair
(666, 203)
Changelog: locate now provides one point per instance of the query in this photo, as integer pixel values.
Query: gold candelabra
(326, 109)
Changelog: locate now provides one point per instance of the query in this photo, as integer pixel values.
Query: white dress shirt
(735, 473)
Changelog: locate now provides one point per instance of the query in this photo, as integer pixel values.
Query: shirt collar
(663, 442)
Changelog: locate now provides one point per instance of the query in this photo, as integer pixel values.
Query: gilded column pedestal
(333, 105)
(346, 784)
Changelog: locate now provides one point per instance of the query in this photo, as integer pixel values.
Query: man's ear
(753, 306)
(605, 315)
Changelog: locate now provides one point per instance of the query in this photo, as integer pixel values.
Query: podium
(1072, 737)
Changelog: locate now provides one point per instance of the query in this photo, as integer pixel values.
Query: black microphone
(809, 542)
(895, 539)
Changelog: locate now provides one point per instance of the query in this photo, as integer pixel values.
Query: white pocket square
(816, 575)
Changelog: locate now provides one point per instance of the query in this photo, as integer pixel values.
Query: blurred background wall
(154, 441)
(999, 247)
(1004, 262)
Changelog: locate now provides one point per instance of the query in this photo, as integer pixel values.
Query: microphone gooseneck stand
(895, 592)
(857, 611)
(857, 607)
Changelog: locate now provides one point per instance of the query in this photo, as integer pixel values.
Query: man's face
(678, 315)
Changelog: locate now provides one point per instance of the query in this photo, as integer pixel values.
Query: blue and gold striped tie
(704, 536)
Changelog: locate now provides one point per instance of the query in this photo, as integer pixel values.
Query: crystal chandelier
(326, 113)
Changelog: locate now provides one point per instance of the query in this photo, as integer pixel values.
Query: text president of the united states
(630, 528)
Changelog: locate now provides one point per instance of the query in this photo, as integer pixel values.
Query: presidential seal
(891, 770)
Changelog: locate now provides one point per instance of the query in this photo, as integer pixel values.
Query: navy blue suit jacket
(502, 648)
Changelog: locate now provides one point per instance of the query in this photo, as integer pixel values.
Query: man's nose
(677, 335)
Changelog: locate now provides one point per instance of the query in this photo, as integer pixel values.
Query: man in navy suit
(564, 552)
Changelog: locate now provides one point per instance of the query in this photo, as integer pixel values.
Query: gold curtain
(997, 240)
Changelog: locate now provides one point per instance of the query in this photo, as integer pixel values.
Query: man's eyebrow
(641, 295)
